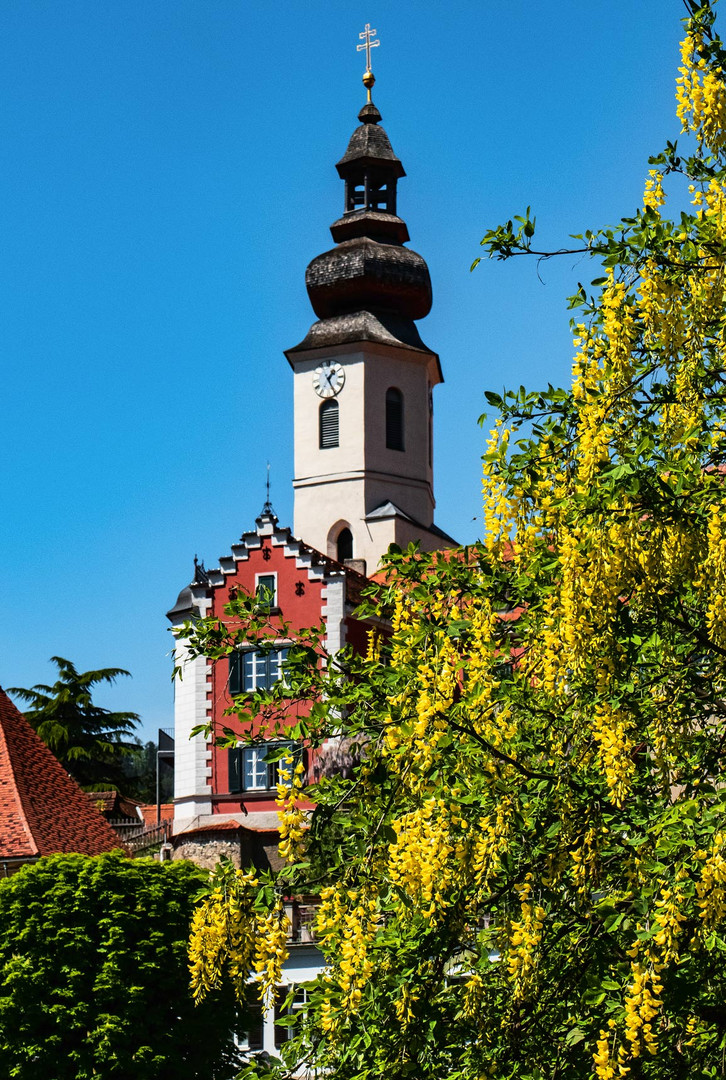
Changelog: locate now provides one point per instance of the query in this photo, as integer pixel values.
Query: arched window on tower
(345, 545)
(328, 424)
(394, 419)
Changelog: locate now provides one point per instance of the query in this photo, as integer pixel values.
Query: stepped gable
(42, 809)
(194, 599)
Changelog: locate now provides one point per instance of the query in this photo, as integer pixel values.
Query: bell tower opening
(370, 189)
(340, 542)
(394, 419)
(344, 545)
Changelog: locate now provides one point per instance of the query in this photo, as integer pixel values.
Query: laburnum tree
(525, 873)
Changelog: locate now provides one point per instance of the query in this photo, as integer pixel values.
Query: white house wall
(192, 756)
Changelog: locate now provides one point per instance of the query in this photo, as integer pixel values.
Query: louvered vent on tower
(328, 425)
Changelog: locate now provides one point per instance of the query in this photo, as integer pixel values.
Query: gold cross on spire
(368, 44)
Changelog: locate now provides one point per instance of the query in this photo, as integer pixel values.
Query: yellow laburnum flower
(421, 860)
(271, 952)
(611, 731)
(654, 196)
(711, 888)
(701, 95)
(290, 815)
(523, 939)
(223, 936)
(642, 1005)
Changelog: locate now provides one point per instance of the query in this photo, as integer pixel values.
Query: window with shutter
(253, 1037)
(284, 1012)
(250, 770)
(394, 419)
(328, 425)
(255, 669)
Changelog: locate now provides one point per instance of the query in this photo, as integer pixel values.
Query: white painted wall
(347, 482)
(192, 756)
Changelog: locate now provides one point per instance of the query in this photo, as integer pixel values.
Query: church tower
(363, 384)
(363, 378)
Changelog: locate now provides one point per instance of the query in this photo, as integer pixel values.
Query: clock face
(328, 379)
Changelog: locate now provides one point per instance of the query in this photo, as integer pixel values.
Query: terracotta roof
(42, 810)
(223, 826)
(270, 824)
(112, 804)
(102, 800)
(148, 812)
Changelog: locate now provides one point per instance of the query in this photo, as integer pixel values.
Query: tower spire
(363, 376)
(267, 508)
(368, 77)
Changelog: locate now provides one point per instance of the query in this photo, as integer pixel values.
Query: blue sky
(166, 174)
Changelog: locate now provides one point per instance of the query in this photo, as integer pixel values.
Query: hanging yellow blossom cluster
(423, 859)
(373, 650)
(346, 921)
(523, 940)
(669, 916)
(498, 515)
(229, 937)
(474, 993)
(291, 780)
(421, 709)
(584, 858)
(711, 888)
(491, 843)
(716, 561)
(654, 196)
(642, 1007)
(642, 1003)
(271, 930)
(611, 732)
(404, 1005)
(701, 94)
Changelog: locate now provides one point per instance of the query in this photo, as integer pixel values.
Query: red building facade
(302, 588)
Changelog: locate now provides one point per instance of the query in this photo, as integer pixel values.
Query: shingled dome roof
(369, 271)
(370, 143)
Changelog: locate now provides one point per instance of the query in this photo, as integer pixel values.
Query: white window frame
(260, 778)
(300, 989)
(255, 769)
(270, 574)
(262, 666)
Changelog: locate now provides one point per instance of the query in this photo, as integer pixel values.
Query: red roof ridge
(12, 815)
(42, 808)
(223, 826)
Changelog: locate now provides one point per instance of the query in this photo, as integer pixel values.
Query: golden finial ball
(368, 79)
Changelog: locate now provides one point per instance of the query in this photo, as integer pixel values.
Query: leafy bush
(93, 974)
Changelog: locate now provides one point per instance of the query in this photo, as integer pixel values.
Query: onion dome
(369, 272)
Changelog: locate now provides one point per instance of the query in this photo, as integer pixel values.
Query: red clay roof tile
(42, 810)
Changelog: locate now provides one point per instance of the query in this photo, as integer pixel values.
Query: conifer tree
(91, 742)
